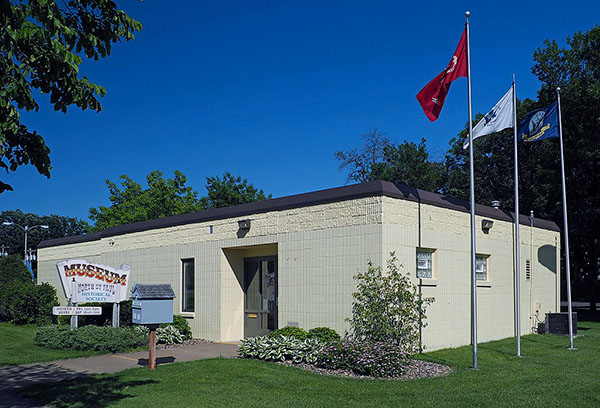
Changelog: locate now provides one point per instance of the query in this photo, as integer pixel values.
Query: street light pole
(25, 228)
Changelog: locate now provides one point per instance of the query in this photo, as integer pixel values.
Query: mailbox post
(152, 305)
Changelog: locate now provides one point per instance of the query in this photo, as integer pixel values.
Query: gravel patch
(415, 369)
(188, 342)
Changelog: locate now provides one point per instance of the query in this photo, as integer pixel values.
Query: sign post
(116, 310)
(73, 302)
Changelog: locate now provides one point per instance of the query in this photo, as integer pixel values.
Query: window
(424, 264)
(481, 267)
(187, 285)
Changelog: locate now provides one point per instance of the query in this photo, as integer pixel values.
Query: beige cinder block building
(248, 269)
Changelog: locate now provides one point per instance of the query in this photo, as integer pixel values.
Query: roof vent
(496, 204)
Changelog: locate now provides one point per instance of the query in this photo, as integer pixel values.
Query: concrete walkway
(14, 378)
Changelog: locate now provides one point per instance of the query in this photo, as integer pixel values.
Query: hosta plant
(281, 348)
(169, 335)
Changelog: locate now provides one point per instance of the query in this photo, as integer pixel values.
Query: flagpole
(566, 225)
(472, 197)
(517, 216)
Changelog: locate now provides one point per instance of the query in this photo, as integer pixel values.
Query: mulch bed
(189, 342)
(415, 369)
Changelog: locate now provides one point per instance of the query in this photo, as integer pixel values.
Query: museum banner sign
(84, 282)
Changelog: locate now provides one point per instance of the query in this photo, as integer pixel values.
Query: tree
(576, 70)
(231, 190)
(41, 48)
(132, 203)
(408, 163)
(362, 162)
(494, 169)
(166, 197)
(59, 227)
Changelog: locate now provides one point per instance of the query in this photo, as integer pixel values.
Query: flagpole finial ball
(467, 13)
(558, 89)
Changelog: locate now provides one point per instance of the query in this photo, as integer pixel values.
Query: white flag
(498, 118)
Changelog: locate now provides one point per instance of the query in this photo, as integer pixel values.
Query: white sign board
(76, 311)
(85, 282)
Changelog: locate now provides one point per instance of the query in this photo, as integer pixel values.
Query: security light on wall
(486, 225)
(244, 224)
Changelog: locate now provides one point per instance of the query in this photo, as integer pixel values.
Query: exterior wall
(409, 225)
(319, 249)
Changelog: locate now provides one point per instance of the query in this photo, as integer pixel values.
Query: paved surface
(13, 378)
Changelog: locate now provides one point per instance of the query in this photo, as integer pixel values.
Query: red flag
(432, 97)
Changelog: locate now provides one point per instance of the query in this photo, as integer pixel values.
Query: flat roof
(331, 195)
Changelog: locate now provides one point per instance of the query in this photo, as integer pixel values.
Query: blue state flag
(539, 124)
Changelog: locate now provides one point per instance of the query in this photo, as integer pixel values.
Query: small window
(424, 264)
(527, 269)
(481, 267)
(187, 285)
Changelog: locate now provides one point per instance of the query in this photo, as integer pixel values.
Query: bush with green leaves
(288, 331)
(375, 359)
(387, 307)
(21, 300)
(281, 348)
(181, 324)
(107, 339)
(169, 335)
(324, 334)
(13, 269)
(27, 303)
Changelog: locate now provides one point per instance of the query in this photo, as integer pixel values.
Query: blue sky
(270, 89)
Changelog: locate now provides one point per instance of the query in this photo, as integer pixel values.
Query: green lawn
(548, 375)
(17, 347)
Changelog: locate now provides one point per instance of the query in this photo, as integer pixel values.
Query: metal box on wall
(152, 304)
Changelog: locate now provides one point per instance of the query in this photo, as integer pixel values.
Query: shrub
(13, 269)
(125, 313)
(23, 302)
(288, 331)
(387, 307)
(340, 355)
(281, 348)
(325, 334)
(181, 324)
(169, 335)
(107, 339)
(379, 359)
(375, 359)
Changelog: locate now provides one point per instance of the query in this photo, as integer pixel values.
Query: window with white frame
(424, 263)
(187, 285)
(481, 267)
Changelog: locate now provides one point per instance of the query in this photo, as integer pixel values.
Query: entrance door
(260, 296)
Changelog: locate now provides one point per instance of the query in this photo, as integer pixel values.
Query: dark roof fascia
(355, 191)
(76, 239)
(439, 200)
